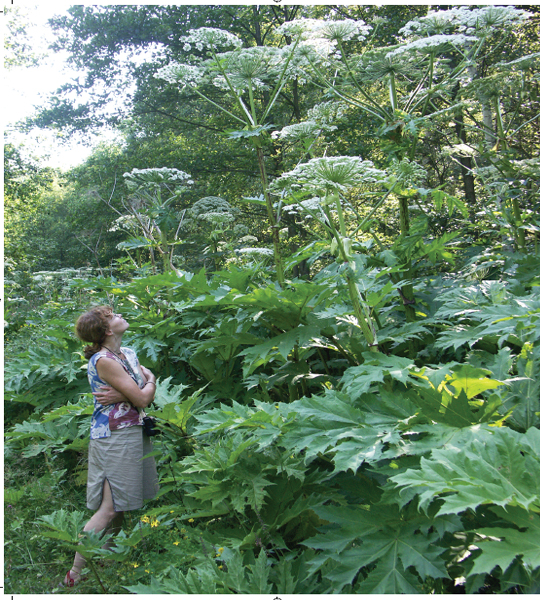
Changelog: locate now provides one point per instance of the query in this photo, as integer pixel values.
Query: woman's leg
(114, 527)
(104, 517)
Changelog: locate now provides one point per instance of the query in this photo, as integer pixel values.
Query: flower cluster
(125, 222)
(257, 67)
(334, 174)
(248, 239)
(256, 252)
(527, 168)
(464, 19)
(211, 205)
(312, 204)
(523, 62)
(433, 43)
(407, 172)
(185, 75)
(326, 113)
(320, 39)
(150, 520)
(333, 31)
(217, 218)
(156, 176)
(298, 131)
(210, 38)
(320, 118)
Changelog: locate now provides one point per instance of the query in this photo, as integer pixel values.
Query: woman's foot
(72, 578)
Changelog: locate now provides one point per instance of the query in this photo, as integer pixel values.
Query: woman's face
(117, 324)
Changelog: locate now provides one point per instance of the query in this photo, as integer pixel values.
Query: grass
(36, 564)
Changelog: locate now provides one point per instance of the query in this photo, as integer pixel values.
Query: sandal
(69, 581)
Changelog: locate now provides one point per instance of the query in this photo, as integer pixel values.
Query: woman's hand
(108, 395)
(148, 375)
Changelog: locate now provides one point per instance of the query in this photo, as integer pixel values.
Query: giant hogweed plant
(380, 479)
(420, 88)
(242, 73)
(150, 211)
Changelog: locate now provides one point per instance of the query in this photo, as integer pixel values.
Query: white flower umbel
(433, 43)
(257, 67)
(217, 218)
(157, 176)
(334, 174)
(459, 150)
(256, 252)
(298, 131)
(464, 19)
(211, 204)
(248, 239)
(311, 29)
(524, 62)
(210, 38)
(184, 75)
(407, 172)
(325, 113)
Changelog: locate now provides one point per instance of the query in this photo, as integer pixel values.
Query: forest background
(322, 225)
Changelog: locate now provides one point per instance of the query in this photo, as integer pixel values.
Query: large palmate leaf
(358, 380)
(500, 470)
(281, 345)
(503, 545)
(376, 536)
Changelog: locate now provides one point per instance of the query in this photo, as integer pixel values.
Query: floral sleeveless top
(114, 416)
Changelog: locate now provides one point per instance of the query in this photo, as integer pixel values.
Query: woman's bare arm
(112, 373)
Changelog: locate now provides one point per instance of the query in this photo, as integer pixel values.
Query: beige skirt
(118, 459)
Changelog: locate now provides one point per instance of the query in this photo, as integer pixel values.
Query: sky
(25, 88)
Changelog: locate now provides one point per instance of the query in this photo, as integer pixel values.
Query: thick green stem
(271, 218)
(406, 291)
(342, 227)
(367, 329)
(500, 126)
(392, 90)
(252, 105)
(518, 218)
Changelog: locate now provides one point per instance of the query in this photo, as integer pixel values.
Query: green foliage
(369, 427)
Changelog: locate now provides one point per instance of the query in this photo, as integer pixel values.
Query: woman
(118, 478)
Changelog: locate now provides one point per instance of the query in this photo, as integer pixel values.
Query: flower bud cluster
(185, 75)
(316, 29)
(433, 43)
(409, 173)
(156, 175)
(320, 119)
(329, 174)
(211, 205)
(466, 20)
(258, 67)
(312, 204)
(254, 252)
(210, 38)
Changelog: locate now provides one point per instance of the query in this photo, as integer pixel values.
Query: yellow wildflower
(155, 523)
(176, 543)
(191, 520)
(135, 565)
(220, 567)
(146, 571)
(220, 550)
(145, 519)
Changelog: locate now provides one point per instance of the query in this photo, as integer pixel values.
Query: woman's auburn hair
(92, 326)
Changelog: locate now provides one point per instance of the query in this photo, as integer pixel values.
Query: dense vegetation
(322, 227)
